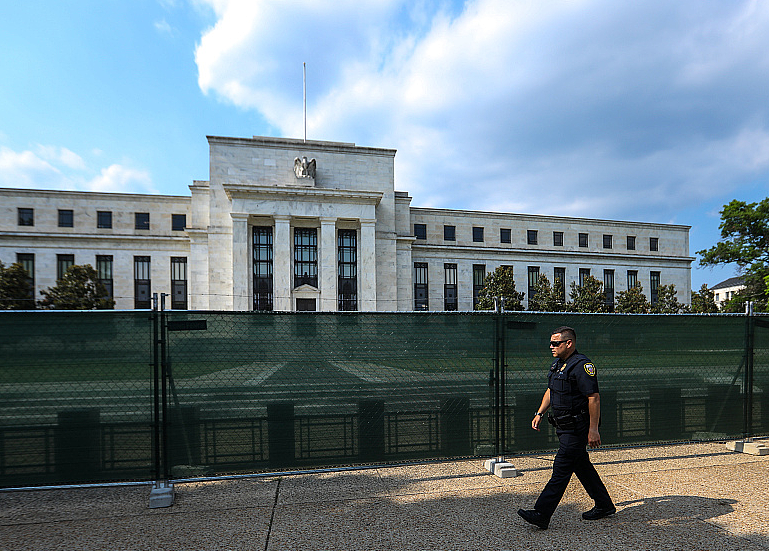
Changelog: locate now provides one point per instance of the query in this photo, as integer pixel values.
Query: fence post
(162, 493)
(280, 434)
(747, 403)
(455, 426)
(371, 430)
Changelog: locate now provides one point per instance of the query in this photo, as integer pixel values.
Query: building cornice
(248, 191)
(551, 255)
(90, 195)
(301, 145)
(539, 218)
(64, 237)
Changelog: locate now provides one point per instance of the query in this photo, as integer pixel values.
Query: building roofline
(91, 194)
(309, 145)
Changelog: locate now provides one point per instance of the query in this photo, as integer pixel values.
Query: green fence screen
(115, 396)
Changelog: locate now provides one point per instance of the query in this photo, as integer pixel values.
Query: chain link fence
(116, 396)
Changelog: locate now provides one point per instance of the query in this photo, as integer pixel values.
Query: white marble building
(292, 225)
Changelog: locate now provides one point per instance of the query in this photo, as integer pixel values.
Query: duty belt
(567, 421)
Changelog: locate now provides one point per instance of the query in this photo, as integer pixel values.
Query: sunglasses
(556, 344)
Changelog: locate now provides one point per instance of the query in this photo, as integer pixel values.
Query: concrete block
(506, 470)
(162, 495)
(752, 448)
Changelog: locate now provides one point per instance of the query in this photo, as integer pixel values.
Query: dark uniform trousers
(572, 457)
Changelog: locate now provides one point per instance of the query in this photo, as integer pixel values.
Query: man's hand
(536, 421)
(593, 438)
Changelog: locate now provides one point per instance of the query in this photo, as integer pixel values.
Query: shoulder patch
(590, 369)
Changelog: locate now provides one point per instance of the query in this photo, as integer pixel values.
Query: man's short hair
(566, 332)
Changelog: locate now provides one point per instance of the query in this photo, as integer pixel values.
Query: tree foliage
(16, 292)
(667, 301)
(745, 242)
(500, 283)
(78, 289)
(632, 301)
(588, 297)
(703, 301)
(547, 298)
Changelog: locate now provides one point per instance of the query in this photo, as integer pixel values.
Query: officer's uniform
(570, 383)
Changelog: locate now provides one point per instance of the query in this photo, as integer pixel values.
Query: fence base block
(162, 495)
(501, 468)
(753, 448)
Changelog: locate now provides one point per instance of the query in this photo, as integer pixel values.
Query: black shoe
(599, 512)
(534, 517)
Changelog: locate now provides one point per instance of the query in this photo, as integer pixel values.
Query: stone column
(281, 264)
(367, 266)
(240, 252)
(327, 265)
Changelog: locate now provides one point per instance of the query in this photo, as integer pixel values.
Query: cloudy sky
(653, 111)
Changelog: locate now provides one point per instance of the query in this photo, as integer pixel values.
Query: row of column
(282, 273)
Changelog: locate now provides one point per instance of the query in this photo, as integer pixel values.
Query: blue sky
(652, 111)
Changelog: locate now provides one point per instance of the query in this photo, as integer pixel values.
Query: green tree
(667, 301)
(500, 283)
(16, 292)
(703, 301)
(632, 301)
(588, 297)
(745, 242)
(546, 298)
(78, 289)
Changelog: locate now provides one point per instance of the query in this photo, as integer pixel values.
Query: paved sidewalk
(683, 497)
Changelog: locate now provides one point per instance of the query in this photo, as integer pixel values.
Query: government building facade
(288, 225)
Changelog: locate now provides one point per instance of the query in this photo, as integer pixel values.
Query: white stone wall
(85, 241)
(672, 259)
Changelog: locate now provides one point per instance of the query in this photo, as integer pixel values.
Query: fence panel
(75, 389)
(661, 377)
(278, 390)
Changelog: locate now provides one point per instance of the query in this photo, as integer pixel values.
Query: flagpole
(304, 81)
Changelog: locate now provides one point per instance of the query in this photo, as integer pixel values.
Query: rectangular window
(584, 273)
(178, 282)
(654, 244)
(178, 222)
(142, 220)
(533, 279)
(449, 233)
(477, 235)
(104, 272)
(632, 278)
(420, 231)
(531, 237)
(631, 242)
(450, 287)
(607, 241)
(558, 239)
(306, 257)
(608, 289)
(559, 283)
(420, 286)
(104, 219)
(479, 277)
(347, 270)
(654, 286)
(27, 261)
(583, 240)
(66, 218)
(262, 251)
(26, 217)
(505, 235)
(63, 262)
(142, 282)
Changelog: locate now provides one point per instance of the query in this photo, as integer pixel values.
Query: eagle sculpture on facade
(304, 168)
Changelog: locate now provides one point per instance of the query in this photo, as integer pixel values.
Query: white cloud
(54, 167)
(611, 108)
(163, 27)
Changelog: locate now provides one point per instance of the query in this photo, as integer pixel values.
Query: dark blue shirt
(571, 382)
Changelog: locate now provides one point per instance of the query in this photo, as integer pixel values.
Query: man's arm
(542, 409)
(594, 408)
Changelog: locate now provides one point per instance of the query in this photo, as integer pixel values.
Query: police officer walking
(572, 393)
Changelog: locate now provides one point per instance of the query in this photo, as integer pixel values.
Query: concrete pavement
(683, 497)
